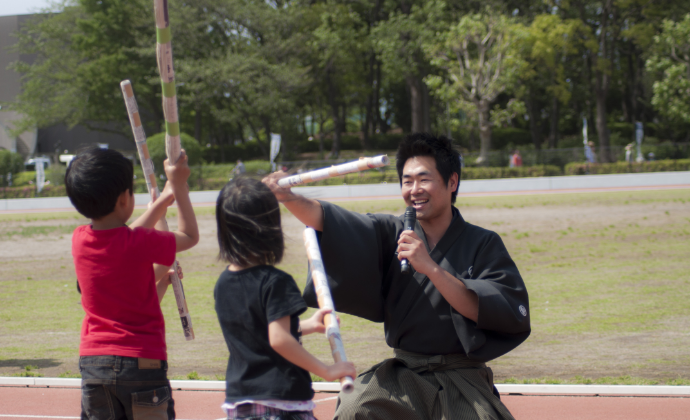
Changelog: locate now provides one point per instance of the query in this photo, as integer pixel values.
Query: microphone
(409, 221)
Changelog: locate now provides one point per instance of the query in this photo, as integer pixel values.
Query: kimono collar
(457, 219)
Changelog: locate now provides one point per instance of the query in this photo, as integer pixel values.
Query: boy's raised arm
(156, 210)
(187, 234)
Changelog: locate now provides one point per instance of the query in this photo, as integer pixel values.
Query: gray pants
(114, 387)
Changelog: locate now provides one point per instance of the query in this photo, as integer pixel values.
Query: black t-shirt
(246, 302)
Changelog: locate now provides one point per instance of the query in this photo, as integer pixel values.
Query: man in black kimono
(462, 304)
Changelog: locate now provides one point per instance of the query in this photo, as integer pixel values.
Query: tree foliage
(670, 57)
(331, 69)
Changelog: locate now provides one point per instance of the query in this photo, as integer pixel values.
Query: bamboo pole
(362, 164)
(152, 186)
(323, 294)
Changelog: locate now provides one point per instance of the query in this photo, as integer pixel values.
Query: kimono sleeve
(351, 253)
(503, 322)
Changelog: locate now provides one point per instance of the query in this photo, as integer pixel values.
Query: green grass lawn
(607, 274)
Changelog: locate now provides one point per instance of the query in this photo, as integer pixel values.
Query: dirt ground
(660, 353)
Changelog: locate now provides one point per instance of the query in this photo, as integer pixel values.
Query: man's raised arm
(307, 210)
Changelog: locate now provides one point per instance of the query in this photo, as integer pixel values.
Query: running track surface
(21, 403)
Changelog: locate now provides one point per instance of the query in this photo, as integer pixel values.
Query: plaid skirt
(261, 412)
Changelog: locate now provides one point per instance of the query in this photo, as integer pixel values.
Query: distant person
(651, 156)
(239, 168)
(258, 309)
(515, 160)
(628, 153)
(590, 157)
(123, 332)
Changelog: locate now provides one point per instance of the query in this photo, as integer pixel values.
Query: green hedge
(30, 191)
(503, 172)
(627, 168)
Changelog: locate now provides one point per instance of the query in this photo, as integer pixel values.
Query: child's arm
(156, 210)
(163, 280)
(285, 344)
(187, 234)
(315, 323)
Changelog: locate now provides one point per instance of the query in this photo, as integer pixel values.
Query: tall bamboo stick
(151, 184)
(167, 73)
(323, 295)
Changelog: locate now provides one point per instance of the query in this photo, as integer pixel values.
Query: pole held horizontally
(323, 293)
(152, 186)
(362, 164)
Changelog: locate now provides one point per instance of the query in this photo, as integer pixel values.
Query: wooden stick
(323, 294)
(362, 164)
(151, 184)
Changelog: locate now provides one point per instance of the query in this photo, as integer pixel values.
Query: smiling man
(463, 304)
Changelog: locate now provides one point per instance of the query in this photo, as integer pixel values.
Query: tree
(338, 44)
(481, 61)
(82, 53)
(400, 42)
(670, 57)
(550, 44)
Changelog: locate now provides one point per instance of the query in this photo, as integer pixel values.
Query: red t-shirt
(115, 273)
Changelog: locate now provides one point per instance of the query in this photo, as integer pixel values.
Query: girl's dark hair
(248, 218)
(440, 148)
(94, 180)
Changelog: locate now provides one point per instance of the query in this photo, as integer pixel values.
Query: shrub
(30, 191)
(156, 144)
(626, 168)
(505, 172)
(10, 162)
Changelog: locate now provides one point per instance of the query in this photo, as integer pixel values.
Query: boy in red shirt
(123, 359)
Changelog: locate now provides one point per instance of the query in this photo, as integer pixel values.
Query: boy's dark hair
(94, 180)
(248, 218)
(440, 148)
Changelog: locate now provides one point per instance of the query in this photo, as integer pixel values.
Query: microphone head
(410, 212)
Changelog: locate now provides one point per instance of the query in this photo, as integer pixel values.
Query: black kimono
(359, 254)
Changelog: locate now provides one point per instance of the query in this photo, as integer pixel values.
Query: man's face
(423, 187)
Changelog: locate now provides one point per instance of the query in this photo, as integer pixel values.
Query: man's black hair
(95, 179)
(248, 218)
(439, 147)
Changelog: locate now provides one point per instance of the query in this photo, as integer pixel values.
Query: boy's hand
(179, 172)
(340, 370)
(315, 323)
(167, 194)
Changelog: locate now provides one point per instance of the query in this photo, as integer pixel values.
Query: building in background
(49, 141)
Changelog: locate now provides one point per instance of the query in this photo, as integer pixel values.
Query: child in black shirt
(258, 308)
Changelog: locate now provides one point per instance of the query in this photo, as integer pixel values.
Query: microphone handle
(404, 264)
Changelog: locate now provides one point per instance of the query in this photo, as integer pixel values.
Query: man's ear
(453, 182)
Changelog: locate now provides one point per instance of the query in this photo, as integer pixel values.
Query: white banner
(275, 148)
